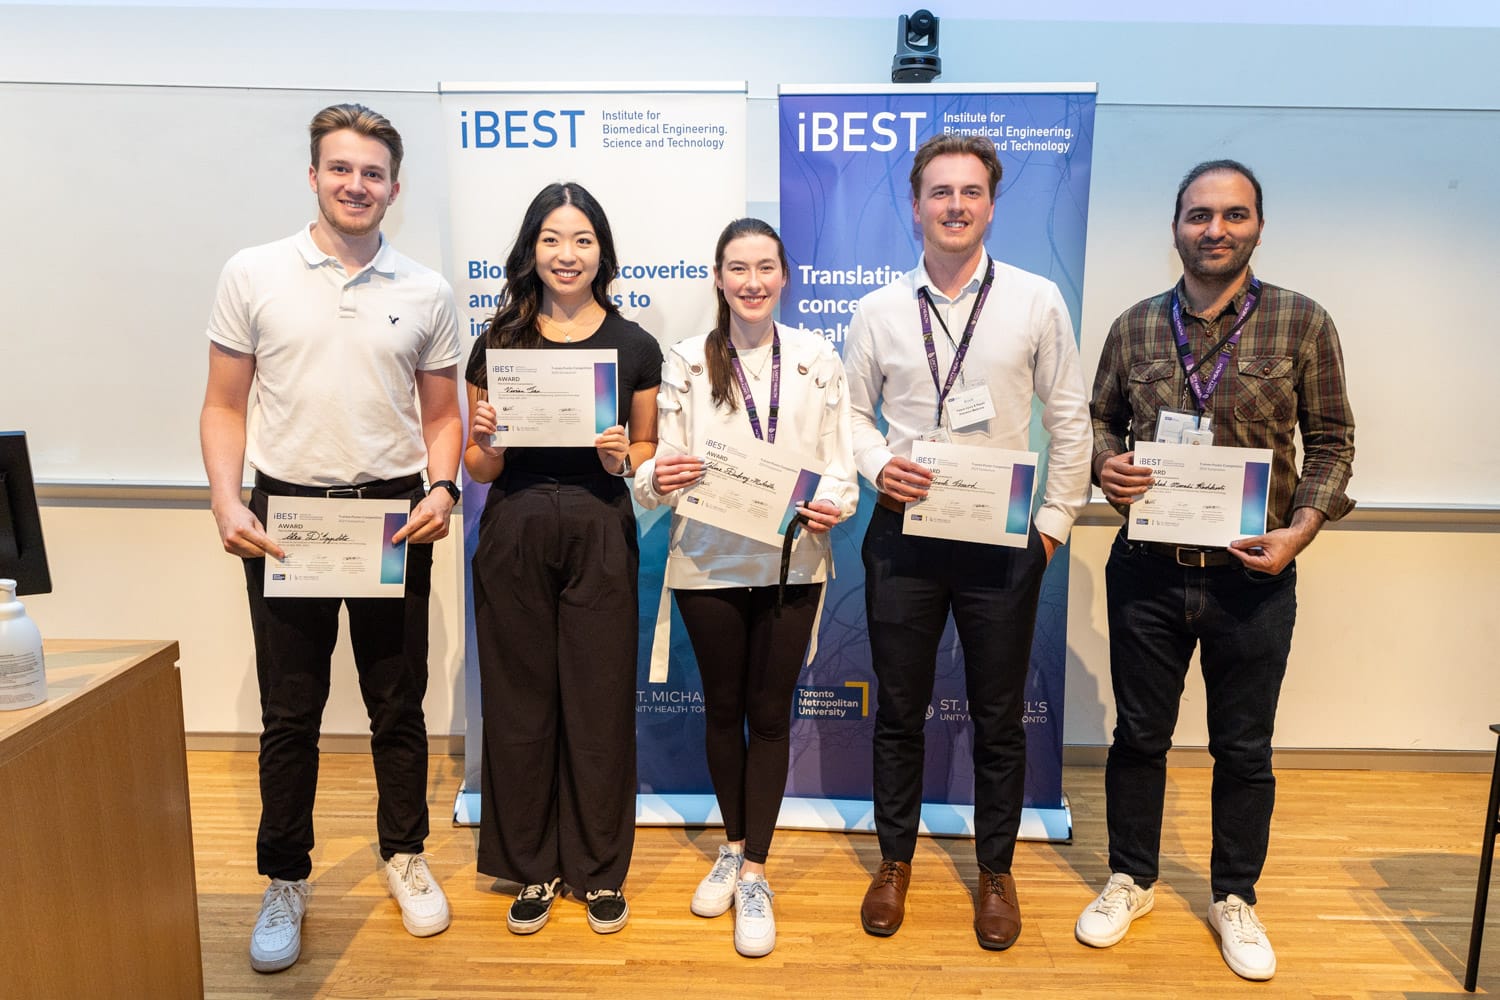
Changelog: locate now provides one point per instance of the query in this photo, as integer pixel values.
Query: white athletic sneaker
(754, 923)
(715, 893)
(1108, 917)
(424, 908)
(277, 939)
(1242, 939)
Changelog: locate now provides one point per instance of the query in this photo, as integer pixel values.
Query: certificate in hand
(336, 548)
(977, 494)
(750, 488)
(549, 398)
(1201, 495)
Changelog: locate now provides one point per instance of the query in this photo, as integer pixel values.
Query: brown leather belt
(890, 503)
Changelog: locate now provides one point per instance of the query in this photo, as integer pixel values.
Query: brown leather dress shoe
(885, 901)
(997, 918)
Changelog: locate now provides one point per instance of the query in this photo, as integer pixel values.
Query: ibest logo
(857, 131)
(517, 129)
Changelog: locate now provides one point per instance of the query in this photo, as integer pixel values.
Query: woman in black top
(554, 575)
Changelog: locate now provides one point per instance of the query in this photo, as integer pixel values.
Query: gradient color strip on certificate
(1018, 515)
(802, 492)
(393, 554)
(606, 397)
(1255, 497)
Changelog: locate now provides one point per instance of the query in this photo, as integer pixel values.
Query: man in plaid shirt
(1232, 361)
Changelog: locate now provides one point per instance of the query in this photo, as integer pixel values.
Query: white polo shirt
(336, 355)
(1022, 347)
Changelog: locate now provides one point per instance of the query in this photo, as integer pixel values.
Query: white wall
(1395, 644)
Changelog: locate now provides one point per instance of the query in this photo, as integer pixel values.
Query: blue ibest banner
(846, 218)
(667, 163)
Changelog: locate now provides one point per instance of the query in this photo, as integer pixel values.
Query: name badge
(939, 434)
(969, 406)
(1179, 427)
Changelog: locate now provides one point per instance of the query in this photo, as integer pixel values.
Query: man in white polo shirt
(350, 351)
(955, 350)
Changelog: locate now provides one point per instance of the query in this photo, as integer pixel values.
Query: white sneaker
(715, 893)
(1242, 939)
(424, 908)
(277, 939)
(754, 923)
(1108, 917)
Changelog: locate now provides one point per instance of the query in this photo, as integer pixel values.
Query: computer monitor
(23, 558)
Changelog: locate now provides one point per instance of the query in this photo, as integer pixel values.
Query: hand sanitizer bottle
(23, 680)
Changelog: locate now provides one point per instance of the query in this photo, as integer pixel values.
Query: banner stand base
(1053, 825)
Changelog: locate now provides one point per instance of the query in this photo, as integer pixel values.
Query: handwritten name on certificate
(552, 398)
(336, 548)
(750, 488)
(977, 494)
(1201, 494)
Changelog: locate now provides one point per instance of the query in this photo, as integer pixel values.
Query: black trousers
(911, 585)
(749, 656)
(557, 627)
(294, 640)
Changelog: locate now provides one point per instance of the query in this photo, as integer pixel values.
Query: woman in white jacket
(749, 610)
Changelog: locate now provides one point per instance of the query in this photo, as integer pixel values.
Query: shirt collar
(1235, 304)
(383, 262)
(975, 280)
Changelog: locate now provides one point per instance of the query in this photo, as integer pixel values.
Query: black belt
(1183, 555)
(375, 489)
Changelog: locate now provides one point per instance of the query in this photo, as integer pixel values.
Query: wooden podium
(99, 897)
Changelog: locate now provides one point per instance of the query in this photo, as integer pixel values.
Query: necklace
(583, 323)
(765, 359)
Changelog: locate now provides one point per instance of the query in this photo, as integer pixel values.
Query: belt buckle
(345, 493)
(1202, 558)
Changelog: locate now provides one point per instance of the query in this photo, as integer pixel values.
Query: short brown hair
(949, 145)
(361, 120)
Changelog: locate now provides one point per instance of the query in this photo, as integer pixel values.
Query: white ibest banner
(667, 163)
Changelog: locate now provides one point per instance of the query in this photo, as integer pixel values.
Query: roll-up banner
(667, 163)
(846, 218)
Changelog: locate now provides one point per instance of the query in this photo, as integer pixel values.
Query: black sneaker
(607, 910)
(532, 908)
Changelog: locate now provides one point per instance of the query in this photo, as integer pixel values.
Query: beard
(1198, 261)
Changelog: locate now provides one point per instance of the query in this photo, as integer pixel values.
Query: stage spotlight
(916, 49)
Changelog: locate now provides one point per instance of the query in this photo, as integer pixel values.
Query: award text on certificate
(750, 488)
(336, 548)
(552, 398)
(977, 494)
(1201, 495)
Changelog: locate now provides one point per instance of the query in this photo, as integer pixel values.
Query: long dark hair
(716, 350)
(515, 321)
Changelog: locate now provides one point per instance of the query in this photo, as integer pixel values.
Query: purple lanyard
(924, 305)
(1201, 390)
(739, 374)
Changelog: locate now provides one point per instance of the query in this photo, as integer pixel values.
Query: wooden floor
(1368, 893)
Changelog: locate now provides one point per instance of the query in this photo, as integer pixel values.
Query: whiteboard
(125, 201)
(123, 205)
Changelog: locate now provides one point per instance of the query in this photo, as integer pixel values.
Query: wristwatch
(448, 485)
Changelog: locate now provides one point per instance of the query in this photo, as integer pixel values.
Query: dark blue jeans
(911, 584)
(1241, 621)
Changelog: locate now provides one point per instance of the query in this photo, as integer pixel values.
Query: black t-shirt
(639, 367)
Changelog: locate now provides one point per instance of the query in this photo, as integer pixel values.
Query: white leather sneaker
(276, 940)
(424, 908)
(715, 893)
(754, 922)
(1242, 939)
(1108, 917)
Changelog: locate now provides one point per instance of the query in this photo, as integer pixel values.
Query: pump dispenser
(23, 679)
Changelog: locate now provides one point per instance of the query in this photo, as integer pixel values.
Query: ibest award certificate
(336, 548)
(750, 488)
(552, 398)
(977, 494)
(1202, 495)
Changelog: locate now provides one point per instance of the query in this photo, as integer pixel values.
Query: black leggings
(749, 657)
